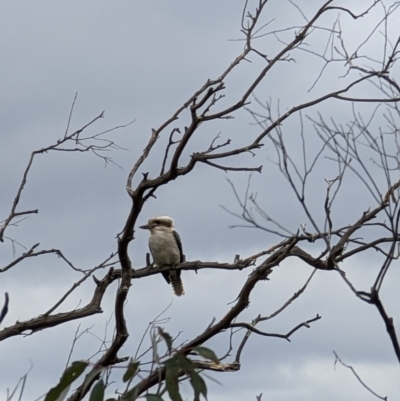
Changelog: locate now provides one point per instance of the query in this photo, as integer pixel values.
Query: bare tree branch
(337, 359)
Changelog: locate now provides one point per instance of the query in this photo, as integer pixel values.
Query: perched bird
(166, 248)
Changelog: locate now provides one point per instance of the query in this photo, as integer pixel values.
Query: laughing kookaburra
(166, 248)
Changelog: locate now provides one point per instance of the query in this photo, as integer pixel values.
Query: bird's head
(160, 223)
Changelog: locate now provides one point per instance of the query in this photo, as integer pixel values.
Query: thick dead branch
(220, 367)
(373, 298)
(45, 321)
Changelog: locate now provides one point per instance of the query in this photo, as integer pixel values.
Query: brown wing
(179, 243)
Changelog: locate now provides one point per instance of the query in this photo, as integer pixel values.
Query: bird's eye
(157, 222)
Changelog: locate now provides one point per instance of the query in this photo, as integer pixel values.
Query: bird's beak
(145, 227)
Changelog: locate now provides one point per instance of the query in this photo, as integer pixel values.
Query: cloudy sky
(139, 61)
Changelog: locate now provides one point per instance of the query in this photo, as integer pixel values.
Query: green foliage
(91, 376)
(172, 370)
(199, 386)
(59, 392)
(206, 353)
(153, 339)
(130, 373)
(174, 367)
(131, 395)
(153, 397)
(177, 367)
(167, 338)
(97, 393)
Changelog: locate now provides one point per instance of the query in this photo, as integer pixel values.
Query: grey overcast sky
(139, 61)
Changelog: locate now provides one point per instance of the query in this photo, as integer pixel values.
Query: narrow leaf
(154, 347)
(172, 363)
(93, 375)
(63, 393)
(206, 353)
(69, 376)
(131, 371)
(199, 386)
(97, 393)
(171, 382)
(153, 397)
(184, 363)
(167, 338)
(131, 395)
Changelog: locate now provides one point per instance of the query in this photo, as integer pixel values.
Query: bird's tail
(176, 282)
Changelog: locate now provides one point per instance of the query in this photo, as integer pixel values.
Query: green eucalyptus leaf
(153, 340)
(133, 368)
(184, 363)
(131, 395)
(69, 376)
(167, 338)
(206, 353)
(153, 397)
(199, 386)
(97, 393)
(171, 382)
(93, 375)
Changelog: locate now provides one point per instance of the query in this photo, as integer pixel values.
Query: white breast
(164, 249)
